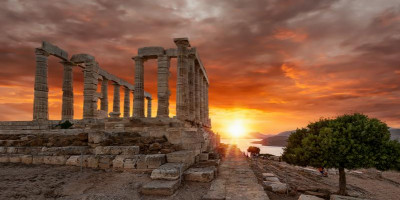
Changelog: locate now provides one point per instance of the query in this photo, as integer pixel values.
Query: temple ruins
(168, 148)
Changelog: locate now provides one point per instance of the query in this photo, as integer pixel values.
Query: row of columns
(91, 78)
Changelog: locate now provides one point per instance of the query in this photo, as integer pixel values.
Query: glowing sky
(273, 65)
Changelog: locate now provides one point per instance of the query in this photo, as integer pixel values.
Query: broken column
(104, 95)
(116, 101)
(67, 112)
(40, 101)
(163, 92)
(126, 101)
(148, 107)
(139, 87)
(181, 85)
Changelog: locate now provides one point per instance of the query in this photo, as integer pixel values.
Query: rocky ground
(366, 183)
(18, 181)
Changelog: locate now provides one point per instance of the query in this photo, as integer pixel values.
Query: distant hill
(280, 139)
(255, 135)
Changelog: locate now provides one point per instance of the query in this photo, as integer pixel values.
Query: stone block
(168, 171)
(206, 174)
(97, 137)
(339, 197)
(203, 156)
(186, 157)
(14, 158)
(4, 158)
(92, 162)
(73, 160)
(130, 163)
(105, 162)
(55, 160)
(160, 187)
(141, 162)
(265, 175)
(3, 149)
(275, 187)
(37, 160)
(309, 197)
(130, 150)
(272, 179)
(150, 52)
(155, 160)
(26, 159)
(118, 162)
(11, 150)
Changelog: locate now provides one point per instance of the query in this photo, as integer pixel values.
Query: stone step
(205, 174)
(186, 157)
(217, 190)
(117, 150)
(160, 187)
(168, 171)
(46, 151)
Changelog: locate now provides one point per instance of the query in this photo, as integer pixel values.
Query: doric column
(116, 101)
(126, 102)
(104, 95)
(191, 88)
(163, 92)
(133, 103)
(149, 107)
(90, 80)
(207, 107)
(182, 82)
(41, 90)
(67, 112)
(138, 104)
(197, 92)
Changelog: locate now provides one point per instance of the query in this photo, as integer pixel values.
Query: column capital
(39, 51)
(182, 42)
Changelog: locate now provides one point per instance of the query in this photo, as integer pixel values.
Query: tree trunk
(342, 182)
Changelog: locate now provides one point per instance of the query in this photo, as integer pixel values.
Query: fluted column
(104, 95)
(126, 102)
(116, 101)
(41, 90)
(67, 112)
(163, 92)
(198, 93)
(191, 88)
(90, 80)
(207, 107)
(182, 82)
(138, 110)
(133, 103)
(203, 98)
(149, 107)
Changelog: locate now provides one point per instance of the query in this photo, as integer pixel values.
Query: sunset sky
(273, 65)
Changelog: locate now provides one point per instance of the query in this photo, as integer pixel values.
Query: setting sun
(236, 129)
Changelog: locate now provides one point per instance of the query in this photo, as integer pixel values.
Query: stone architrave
(104, 95)
(116, 101)
(41, 90)
(182, 82)
(149, 107)
(90, 80)
(138, 104)
(163, 92)
(67, 112)
(127, 92)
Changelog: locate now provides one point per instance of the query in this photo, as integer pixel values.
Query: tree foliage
(347, 142)
(253, 150)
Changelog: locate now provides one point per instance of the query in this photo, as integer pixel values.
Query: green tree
(253, 150)
(347, 142)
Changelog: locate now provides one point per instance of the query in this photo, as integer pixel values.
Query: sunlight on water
(243, 144)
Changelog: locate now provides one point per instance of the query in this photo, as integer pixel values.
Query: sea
(243, 144)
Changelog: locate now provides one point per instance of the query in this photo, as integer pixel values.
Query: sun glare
(236, 129)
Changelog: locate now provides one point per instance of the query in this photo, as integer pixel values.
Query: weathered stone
(200, 174)
(4, 158)
(309, 197)
(3, 149)
(155, 147)
(37, 160)
(150, 52)
(160, 187)
(118, 162)
(185, 157)
(14, 158)
(168, 171)
(105, 162)
(339, 197)
(203, 156)
(141, 162)
(26, 159)
(130, 163)
(55, 160)
(276, 187)
(73, 160)
(272, 179)
(154, 161)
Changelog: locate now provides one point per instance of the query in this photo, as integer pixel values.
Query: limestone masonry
(172, 149)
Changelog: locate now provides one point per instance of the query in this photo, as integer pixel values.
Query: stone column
(116, 108)
(41, 90)
(191, 88)
(90, 81)
(138, 110)
(181, 85)
(207, 108)
(149, 107)
(67, 112)
(163, 92)
(104, 95)
(203, 96)
(126, 102)
(197, 92)
(133, 103)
